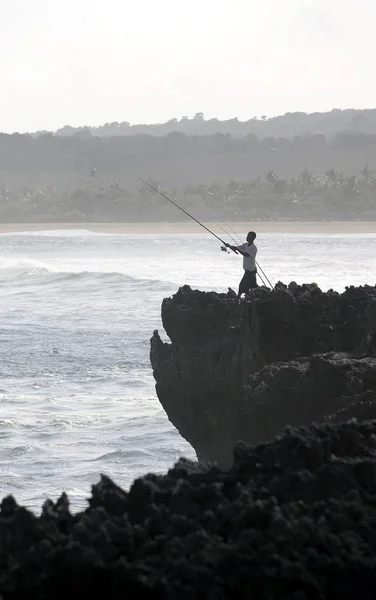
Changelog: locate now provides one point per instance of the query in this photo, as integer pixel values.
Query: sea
(77, 310)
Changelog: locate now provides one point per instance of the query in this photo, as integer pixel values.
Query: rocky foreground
(291, 520)
(243, 371)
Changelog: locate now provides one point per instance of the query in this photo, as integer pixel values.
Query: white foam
(19, 266)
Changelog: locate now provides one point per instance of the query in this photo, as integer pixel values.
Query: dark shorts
(248, 282)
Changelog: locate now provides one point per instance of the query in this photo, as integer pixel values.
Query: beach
(332, 227)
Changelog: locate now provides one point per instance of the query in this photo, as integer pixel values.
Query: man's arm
(238, 249)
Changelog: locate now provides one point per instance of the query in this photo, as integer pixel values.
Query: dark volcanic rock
(291, 520)
(242, 371)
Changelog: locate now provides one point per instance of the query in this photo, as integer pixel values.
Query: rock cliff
(242, 371)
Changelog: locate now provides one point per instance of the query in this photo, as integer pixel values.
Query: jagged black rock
(293, 519)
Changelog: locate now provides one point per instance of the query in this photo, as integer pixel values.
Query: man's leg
(243, 287)
(253, 279)
(248, 282)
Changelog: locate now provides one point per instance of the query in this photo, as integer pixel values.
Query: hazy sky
(91, 61)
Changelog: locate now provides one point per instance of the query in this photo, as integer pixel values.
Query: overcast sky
(91, 61)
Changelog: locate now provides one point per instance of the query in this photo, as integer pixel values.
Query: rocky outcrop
(291, 520)
(241, 371)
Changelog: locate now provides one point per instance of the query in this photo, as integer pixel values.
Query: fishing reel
(225, 249)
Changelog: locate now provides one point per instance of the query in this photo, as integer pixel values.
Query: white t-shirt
(249, 262)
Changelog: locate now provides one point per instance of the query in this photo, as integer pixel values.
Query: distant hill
(285, 126)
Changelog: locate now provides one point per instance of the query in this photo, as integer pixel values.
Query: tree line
(288, 125)
(308, 197)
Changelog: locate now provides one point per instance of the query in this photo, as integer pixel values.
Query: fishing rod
(258, 266)
(223, 247)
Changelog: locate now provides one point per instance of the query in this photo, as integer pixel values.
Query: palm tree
(366, 172)
(270, 176)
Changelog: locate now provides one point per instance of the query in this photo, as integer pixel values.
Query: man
(248, 251)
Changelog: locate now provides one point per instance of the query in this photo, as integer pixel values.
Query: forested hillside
(85, 177)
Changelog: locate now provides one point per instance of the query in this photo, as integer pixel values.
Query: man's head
(251, 236)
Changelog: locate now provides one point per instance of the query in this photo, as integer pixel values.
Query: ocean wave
(24, 271)
(119, 455)
(22, 266)
(17, 451)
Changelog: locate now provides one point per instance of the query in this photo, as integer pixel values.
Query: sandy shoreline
(347, 227)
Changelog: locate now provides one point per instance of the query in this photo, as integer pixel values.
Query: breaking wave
(24, 271)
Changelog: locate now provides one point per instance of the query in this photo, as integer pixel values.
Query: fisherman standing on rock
(248, 251)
